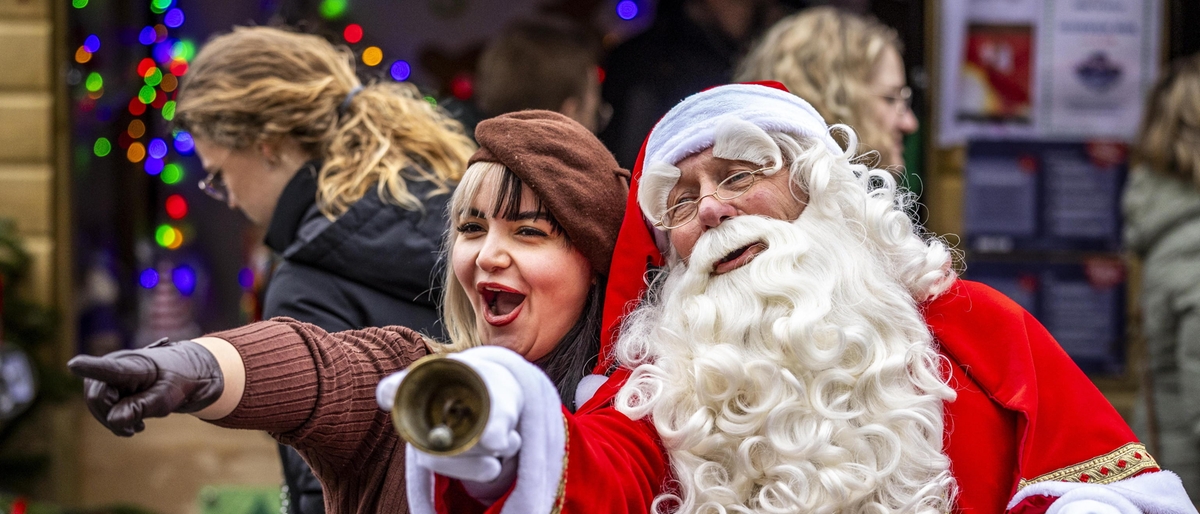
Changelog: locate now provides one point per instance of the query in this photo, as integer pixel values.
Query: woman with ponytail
(349, 180)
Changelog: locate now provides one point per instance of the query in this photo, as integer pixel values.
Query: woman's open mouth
(502, 304)
(738, 258)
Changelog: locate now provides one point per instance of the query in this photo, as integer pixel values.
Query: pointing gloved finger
(127, 415)
(99, 397)
(131, 372)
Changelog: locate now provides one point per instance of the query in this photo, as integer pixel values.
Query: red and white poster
(1044, 69)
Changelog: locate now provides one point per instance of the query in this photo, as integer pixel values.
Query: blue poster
(1081, 302)
(1037, 196)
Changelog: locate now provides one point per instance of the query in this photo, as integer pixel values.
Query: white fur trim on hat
(689, 127)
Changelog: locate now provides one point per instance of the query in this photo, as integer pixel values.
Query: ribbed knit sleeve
(315, 390)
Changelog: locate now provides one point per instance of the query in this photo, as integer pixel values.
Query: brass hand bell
(441, 406)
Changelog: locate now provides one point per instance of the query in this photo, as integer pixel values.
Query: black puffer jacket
(376, 265)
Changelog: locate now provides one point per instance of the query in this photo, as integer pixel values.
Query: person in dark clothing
(691, 46)
(373, 267)
(351, 182)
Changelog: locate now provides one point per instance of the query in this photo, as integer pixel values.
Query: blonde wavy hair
(1169, 141)
(827, 57)
(259, 84)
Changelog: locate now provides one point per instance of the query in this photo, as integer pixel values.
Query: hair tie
(349, 97)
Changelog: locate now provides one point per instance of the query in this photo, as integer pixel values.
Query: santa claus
(808, 349)
(800, 347)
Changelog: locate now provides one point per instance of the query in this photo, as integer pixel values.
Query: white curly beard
(804, 381)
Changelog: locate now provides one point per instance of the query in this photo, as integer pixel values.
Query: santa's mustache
(741, 239)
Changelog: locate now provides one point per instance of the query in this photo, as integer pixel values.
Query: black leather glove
(125, 387)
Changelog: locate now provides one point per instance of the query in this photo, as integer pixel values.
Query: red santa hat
(689, 128)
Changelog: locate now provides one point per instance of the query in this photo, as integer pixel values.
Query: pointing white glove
(499, 440)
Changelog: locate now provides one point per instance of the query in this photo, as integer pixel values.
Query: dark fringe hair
(578, 350)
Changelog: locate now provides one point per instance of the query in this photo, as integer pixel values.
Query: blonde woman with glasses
(350, 181)
(848, 67)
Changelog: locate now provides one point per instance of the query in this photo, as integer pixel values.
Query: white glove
(500, 440)
(1093, 499)
(1088, 507)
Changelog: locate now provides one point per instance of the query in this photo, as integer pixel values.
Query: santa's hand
(499, 440)
(1088, 507)
(1093, 499)
(123, 388)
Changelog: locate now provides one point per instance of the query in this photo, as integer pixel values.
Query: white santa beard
(804, 381)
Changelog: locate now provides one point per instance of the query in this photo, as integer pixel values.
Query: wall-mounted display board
(1080, 300)
(1045, 69)
(1038, 196)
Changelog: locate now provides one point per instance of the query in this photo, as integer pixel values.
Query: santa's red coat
(1024, 414)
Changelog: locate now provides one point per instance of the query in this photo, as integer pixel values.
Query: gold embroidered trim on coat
(1118, 464)
(562, 481)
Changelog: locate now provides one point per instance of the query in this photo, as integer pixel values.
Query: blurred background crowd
(1055, 143)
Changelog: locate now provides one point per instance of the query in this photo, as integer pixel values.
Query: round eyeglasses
(732, 187)
(214, 186)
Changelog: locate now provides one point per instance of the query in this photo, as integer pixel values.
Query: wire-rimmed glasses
(213, 184)
(732, 187)
(901, 101)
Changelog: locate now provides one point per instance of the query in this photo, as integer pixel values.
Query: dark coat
(376, 265)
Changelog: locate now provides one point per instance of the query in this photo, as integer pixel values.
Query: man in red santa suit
(803, 349)
(810, 350)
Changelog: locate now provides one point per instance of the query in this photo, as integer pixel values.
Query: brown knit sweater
(315, 391)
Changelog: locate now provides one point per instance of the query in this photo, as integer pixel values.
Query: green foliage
(32, 328)
(239, 500)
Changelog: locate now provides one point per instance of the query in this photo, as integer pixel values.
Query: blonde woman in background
(349, 180)
(1161, 205)
(848, 67)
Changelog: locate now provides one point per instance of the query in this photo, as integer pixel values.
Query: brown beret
(571, 172)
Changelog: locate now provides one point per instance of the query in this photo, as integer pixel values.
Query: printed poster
(1044, 69)
(1102, 63)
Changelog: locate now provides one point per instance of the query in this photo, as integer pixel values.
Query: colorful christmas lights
(102, 147)
(627, 9)
(184, 143)
(171, 174)
(136, 129)
(184, 278)
(94, 82)
(333, 9)
(136, 152)
(372, 56)
(147, 36)
(401, 70)
(148, 278)
(173, 18)
(353, 33)
(157, 148)
(153, 166)
(176, 207)
(246, 278)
